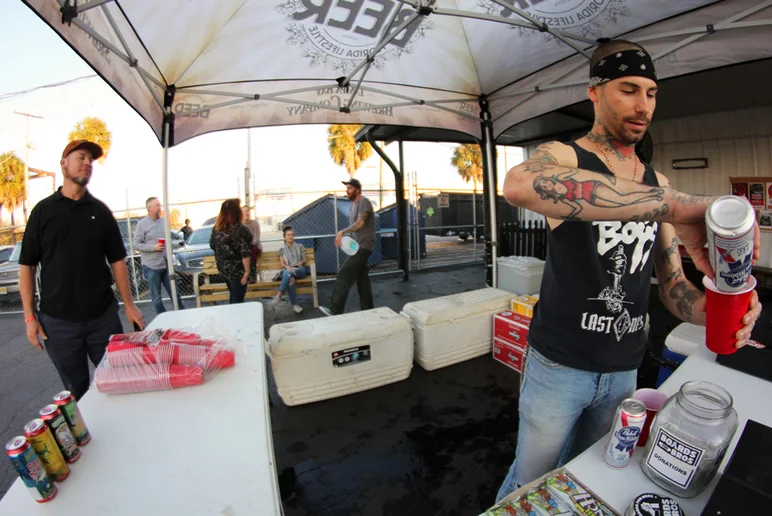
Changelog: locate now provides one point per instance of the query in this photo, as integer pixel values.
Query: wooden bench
(267, 262)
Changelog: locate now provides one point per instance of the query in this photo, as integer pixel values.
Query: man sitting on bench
(292, 257)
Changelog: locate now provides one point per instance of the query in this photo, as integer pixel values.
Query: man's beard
(352, 196)
(80, 181)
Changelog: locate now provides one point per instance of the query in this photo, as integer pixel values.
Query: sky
(207, 167)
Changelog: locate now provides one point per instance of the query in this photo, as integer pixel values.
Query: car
(189, 259)
(9, 274)
(5, 252)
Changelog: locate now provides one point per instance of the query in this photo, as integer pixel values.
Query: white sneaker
(326, 311)
(297, 308)
(275, 300)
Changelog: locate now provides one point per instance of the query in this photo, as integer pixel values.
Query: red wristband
(29, 319)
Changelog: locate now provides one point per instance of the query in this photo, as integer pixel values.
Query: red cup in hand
(724, 313)
(162, 242)
(654, 400)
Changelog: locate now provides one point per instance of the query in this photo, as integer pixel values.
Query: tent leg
(167, 221)
(488, 147)
(399, 184)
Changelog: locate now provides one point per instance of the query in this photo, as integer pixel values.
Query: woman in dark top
(232, 244)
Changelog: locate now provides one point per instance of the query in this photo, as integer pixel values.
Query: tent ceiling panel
(725, 89)
(413, 63)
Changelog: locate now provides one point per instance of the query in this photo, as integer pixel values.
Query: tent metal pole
(369, 61)
(132, 57)
(543, 27)
(399, 185)
(402, 26)
(167, 220)
(490, 188)
(90, 5)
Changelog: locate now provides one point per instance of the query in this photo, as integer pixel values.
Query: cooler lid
(685, 338)
(340, 331)
(458, 306)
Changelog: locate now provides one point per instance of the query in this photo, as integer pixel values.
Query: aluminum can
(42, 440)
(61, 430)
(30, 469)
(650, 503)
(625, 431)
(730, 221)
(69, 407)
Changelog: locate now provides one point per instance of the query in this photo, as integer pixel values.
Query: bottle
(689, 438)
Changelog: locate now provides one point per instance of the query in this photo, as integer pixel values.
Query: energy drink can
(30, 469)
(730, 221)
(61, 430)
(625, 431)
(42, 440)
(69, 407)
(653, 504)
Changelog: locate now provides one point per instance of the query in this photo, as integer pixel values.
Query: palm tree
(94, 130)
(344, 150)
(11, 182)
(467, 159)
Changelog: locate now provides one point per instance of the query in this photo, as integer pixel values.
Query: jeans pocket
(532, 353)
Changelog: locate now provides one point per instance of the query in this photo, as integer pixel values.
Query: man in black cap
(613, 220)
(362, 230)
(73, 237)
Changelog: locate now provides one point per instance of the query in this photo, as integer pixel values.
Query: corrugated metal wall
(736, 143)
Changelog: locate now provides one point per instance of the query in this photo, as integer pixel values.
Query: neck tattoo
(594, 139)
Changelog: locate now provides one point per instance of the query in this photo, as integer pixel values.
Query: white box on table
(329, 357)
(451, 329)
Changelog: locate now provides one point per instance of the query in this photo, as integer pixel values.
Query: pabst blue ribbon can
(625, 431)
(730, 222)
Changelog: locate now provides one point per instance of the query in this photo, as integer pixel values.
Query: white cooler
(334, 356)
(455, 328)
(520, 275)
(679, 344)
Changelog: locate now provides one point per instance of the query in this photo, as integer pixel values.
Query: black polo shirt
(73, 242)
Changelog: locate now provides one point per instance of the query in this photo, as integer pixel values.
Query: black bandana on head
(623, 64)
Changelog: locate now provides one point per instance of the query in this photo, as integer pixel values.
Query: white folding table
(203, 450)
(619, 487)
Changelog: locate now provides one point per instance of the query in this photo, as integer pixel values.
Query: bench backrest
(267, 261)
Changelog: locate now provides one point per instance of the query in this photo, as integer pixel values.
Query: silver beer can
(625, 431)
(730, 221)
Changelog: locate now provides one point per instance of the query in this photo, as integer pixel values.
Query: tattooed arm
(683, 299)
(539, 183)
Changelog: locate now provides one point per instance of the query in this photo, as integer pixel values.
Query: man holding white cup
(150, 240)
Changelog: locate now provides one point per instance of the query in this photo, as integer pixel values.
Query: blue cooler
(681, 343)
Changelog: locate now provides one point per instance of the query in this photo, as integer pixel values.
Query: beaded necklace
(593, 139)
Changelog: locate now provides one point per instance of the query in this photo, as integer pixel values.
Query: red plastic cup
(725, 311)
(654, 400)
(162, 242)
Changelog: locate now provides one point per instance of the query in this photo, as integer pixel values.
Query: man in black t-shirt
(73, 237)
(613, 220)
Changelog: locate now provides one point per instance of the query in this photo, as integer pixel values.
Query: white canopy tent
(477, 67)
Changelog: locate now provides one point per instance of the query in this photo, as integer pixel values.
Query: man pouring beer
(612, 219)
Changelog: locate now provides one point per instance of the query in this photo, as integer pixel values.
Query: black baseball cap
(353, 182)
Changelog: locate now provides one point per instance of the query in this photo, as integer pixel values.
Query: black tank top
(595, 290)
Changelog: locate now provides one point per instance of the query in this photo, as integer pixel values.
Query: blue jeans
(156, 278)
(237, 291)
(298, 273)
(563, 411)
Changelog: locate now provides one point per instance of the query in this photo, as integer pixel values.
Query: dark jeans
(71, 344)
(353, 269)
(237, 291)
(156, 278)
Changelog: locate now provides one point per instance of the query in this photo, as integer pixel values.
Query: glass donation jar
(689, 438)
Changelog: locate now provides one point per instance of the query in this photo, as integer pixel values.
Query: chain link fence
(445, 228)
